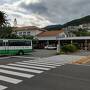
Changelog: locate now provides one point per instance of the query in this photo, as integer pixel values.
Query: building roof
(75, 38)
(27, 28)
(50, 33)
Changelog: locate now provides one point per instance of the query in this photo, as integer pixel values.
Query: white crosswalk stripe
(10, 80)
(46, 63)
(33, 67)
(2, 87)
(21, 69)
(37, 65)
(24, 69)
(16, 73)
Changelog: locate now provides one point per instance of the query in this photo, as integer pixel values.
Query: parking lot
(42, 53)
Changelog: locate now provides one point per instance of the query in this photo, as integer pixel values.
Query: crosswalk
(24, 69)
(2, 87)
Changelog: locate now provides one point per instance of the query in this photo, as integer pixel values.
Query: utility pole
(58, 46)
(15, 22)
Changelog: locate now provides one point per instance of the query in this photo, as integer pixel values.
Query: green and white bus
(15, 46)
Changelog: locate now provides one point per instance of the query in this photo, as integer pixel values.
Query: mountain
(75, 22)
(79, 21)
(53, 27)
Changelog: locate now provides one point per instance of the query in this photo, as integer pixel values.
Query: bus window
(19, 43)
(27, 43)
(10, 43)
(1, 43)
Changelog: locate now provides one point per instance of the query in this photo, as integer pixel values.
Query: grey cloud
(58, 11)
(35, 8)
(7, 1)
(67, 10)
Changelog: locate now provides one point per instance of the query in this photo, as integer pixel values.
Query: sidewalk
(63, 59)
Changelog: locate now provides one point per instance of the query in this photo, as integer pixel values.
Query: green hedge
(69, 48)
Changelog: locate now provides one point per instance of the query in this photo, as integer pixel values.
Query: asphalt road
(42, 53)
(13, 59)
(66, 77)
(27, 73)
(36, 73)
(37, 53)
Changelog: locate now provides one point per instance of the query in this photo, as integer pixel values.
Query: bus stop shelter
(82, 42)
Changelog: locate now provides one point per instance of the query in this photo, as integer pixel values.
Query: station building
(82, 42)
(49, 38)
(59, 37)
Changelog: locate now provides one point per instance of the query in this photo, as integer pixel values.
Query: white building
(28, 30)
(86, 26)
(51, 35)
(49, 38)
(68, 30)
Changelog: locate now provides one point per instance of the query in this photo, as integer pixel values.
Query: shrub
(69, 48)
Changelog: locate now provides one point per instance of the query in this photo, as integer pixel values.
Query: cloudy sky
(44, 12)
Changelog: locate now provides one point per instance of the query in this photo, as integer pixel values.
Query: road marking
(37, 65)
(40, 62)
(5, 57)
(2, 87)
(25, 57)
(16, 73)
(10, 80)
(45, 63)
(21, 69)
(29, 66)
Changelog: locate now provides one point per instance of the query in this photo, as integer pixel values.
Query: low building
(83, 42)
(49, 37)
(27, 30)
(68, 30)
(86, 26)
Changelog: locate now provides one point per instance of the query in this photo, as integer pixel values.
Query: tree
(3, 20)
(6, 32)
(5, 28)
(27, 37)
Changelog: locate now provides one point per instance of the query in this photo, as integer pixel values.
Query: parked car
(51, 47)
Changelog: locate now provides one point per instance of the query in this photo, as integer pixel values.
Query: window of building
(28, 33)
(20, 33)
(63, 36)
(24, 33)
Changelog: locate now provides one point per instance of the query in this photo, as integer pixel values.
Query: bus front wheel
(20, 53)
